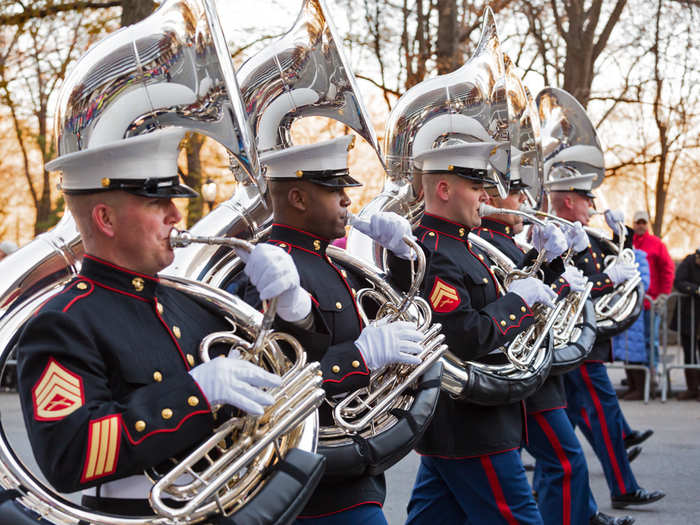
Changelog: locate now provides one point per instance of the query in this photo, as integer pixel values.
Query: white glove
(383, 344)
(388, 229)
(619, 273)
(576, 236)
(533, 291)
(615, 219)
(577, 281)
(273, 273)
(550, 239)
(232, 381)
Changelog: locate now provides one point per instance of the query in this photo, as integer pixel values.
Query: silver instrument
(572, 331)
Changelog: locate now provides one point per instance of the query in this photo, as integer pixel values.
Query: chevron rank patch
(103, 448)
(443, 297)
(58, 393)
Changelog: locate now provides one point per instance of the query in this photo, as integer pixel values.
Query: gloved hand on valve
(386, 343)
(272, 271)
(615, 219)
(576, 237)
(550, 239)
(619, 273)
(532, 291)
(577, 281)
(388, 229)
(233, 381)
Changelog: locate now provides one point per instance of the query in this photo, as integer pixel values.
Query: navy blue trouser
(594, 408)
(561, 480)
(360, 515)
(487, 490)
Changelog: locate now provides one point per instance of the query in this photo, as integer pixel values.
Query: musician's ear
(443, 189)
(298, 198)
(103, 218)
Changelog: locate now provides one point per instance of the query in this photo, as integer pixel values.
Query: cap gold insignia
(300, 173)
(461, 232)
(352, 143)
(317, 245)
(105, 182)
(137, 283)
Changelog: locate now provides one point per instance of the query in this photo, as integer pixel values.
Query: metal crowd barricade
(650, 366)
(672, 356)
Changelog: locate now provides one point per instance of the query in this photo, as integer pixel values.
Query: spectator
(660, 271)
(630, 346)
(687, 281)
(6, 248)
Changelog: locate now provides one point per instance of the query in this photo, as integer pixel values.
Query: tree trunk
(446, 45)
(135, 10)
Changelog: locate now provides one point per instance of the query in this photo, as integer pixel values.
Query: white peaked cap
(473, 155)
(144, 164)
(324, 163)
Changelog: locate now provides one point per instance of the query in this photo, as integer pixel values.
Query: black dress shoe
(633, 453)
(636, 437)
(604, 519)
(640, 497)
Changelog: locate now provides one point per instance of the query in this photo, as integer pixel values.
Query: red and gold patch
(57, 394)
(103, 448)
(443, 297)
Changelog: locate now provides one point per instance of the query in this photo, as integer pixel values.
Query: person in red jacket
(661, 269)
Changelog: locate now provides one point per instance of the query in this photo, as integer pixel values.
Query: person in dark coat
(308, 188)
(470, 470)
(686, 318)
(110, 377)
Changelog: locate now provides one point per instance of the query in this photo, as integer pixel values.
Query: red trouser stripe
(603, 428)
(565, 465)
(497, 491)
(584, 415)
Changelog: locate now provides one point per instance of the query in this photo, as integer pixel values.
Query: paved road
(670, 461)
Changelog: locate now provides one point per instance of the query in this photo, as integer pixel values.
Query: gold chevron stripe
(57, 393)
(102, 448)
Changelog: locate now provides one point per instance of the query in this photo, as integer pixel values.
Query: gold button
(335, 369)
(598, 283)
(193, 401)
(338, 305)
(157, 376)
(300, 173)
(561, 279)
(553, 286)
(450, 167)
(607, 280)
(461, 232)
(485, 280)
(317, 245)
(137, 283)
(140, 426)
(512, 317)
(190, 359)
(176, 331)
(105, 182)
(356, 364)
(595, 255)
(523, 309)
(507, 229)
(481, 256)
(585, 259)
(81, 286)
(166, 413)
(431, 234)
(503, 323)
(597, 266)
(282, 245)
(159, 308)
(343, 273)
